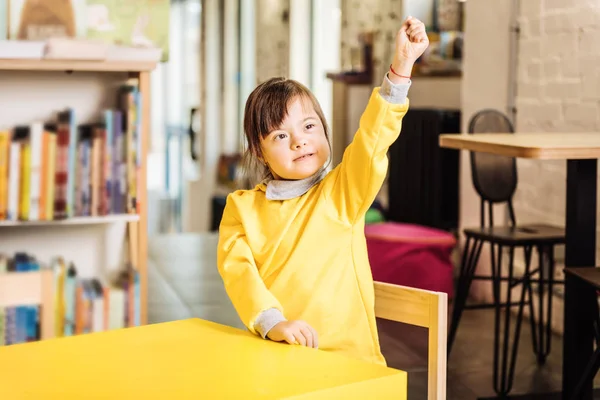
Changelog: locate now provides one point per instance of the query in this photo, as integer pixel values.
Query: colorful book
(14, 180)
(4, 161)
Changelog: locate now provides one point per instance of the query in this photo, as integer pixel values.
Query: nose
(298, 142)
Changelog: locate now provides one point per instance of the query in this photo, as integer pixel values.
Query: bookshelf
(107, 219)
(34, 90)
(76, 65)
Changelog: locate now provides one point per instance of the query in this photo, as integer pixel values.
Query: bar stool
(495, 180)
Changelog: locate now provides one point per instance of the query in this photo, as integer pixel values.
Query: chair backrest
(494, 177)
(31, 288)
(422, 308)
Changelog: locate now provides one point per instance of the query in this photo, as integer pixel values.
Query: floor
(184, 283)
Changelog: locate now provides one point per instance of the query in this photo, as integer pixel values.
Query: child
(292, 251)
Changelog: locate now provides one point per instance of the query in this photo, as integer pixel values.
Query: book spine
(51, 176)
(72, 164)
(25, 183)
(14, 180)
(62, 170)
(36, 137)
(4, 160)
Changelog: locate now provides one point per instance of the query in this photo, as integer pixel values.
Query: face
(299, 147)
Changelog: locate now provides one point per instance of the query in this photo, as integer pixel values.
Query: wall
(272, 39)
(486, 72)
(558, 90)
(383, 18)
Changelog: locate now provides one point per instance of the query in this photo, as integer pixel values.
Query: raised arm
(359, 177)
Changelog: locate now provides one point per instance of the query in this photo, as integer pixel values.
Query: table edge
(399, 392)
(573, 272)
(455, 141)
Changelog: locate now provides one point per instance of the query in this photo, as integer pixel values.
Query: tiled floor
(184, 282)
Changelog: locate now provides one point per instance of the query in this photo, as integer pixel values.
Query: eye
(280, 136)
(310, 126)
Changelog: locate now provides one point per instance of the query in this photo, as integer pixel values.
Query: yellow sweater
(307, 256)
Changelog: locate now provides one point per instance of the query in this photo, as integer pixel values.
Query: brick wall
(558, 89)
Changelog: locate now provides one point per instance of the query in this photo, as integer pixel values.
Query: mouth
(304, 157)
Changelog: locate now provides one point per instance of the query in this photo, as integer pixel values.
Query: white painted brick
(564, 90)
(550, 111)
(531, 8)
(590, 89)
(590, 77)
(559, 45)
(535, 27)
(530, 90)
(526, 109)
(530, 28)
(590, 66)
(535, 72)
(581, 113)
(552, 70)
(588, 17)
(552, 5)
(564, 21)
(526, 125)
(555, 125)
(541, 112)
(584, 3)
(530, 48)
(588, 41)
(570, 67)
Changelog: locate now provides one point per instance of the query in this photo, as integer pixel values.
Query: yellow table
(191, 359)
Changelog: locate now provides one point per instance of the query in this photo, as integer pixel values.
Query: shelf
(75, 65)
(107, 219)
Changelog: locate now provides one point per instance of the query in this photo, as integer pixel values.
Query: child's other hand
(411, 41)
(294, 332)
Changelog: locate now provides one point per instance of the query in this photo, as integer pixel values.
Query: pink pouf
(411, 255)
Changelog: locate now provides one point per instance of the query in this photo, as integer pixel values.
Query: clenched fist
(411, 40)
(411, 43)
(294, 332)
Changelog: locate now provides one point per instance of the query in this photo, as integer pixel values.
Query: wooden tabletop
(589, 275)
(543, 145)
(191, 359)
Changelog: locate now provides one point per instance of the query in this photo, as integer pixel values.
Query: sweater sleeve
(364, 164)
(237, 267)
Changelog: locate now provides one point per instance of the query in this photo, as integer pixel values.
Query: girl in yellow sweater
(292, 251)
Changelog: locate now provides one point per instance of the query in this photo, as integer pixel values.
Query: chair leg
(506, 350)
(593, 364)
(541, 331)
(470, 257)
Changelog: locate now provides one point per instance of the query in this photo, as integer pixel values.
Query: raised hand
(411, 40)
(411, 43)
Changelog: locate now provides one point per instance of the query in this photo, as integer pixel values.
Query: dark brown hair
(266, 108)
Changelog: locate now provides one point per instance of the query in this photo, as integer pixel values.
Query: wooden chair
(31, 288)
(422, 308)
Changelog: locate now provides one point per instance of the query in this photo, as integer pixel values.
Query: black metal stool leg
(470, 257)
(541, 331)
(591, 369)
(505, 357)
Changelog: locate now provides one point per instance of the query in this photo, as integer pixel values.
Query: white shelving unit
(35, 90)
(75, 221)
